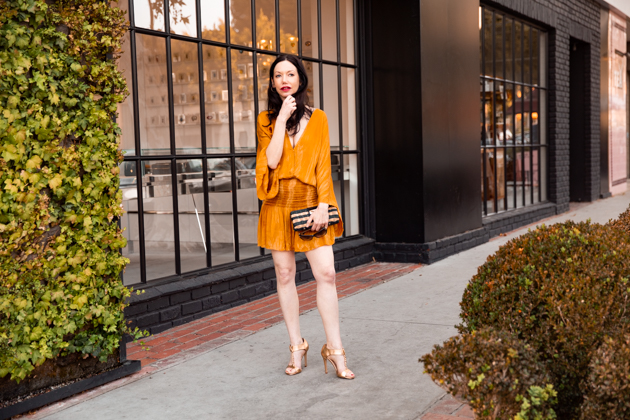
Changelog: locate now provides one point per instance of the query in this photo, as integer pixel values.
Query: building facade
(450, 122)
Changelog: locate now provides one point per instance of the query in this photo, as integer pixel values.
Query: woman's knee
(285, 275)
(327, 276)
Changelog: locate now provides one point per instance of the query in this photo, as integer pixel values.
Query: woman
(293, 172)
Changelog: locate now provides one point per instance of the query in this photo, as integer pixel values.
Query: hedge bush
(559, 289)
(500, 375)
(60, 288)
(622, 222)
(607, 389)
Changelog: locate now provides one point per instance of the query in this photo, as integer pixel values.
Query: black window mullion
(143, 259)
(539, 142)
(504, 113)
(226, 9)
(175, 187)
(341, 148)
(319, 34)
(299, 27)
(531, 118)
(130, 12)
(253, 13)
(338, 32)
(278, 27)
(237, 256)
(522, 78)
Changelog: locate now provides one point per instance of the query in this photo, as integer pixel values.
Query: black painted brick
(269, 274)
(135, 310)
(191, 307)
(201, 292)
(170, 313)
(235, 284)
(248, 291)
(146, 320)
(255, 278)
(180, 298)
(230, 296)
(184, 320)
(160, 328)
(211, 302)
(220, 287)
(160, 303)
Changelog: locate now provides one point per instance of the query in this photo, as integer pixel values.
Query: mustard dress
(301, 179)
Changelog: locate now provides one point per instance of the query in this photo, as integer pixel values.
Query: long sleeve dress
(301, 179)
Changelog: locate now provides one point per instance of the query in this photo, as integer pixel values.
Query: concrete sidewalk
(385, 330)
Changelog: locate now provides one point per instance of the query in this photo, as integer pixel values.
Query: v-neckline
(303, 132)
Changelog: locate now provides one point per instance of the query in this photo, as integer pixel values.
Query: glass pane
(192, 226)
(487, 156)
(183, 17)
(510, 177)
(351, 190)
(348, 109)
(488, 47)
(527, 69)
(535, 118)
(519, 115)
(518, 51)
(500, 171)
(186, 97)
(499, 122)
(528, 166)
(220, 204)
(243, 101)
(509, 114)
(125, 115)
(535, 57)
(346, 30)
(149, 14)
(129, 221)
(215, 86)
(509, 56)
(289, 27)
(310, 34)
(241, 22)
(266, 25)
(213, 20)
(264, 64)
(159, 239)
(486, 98)
(498, 45)
(152, 95)
(335, 164)
(527, 103)
(331, 104)
(247, 207)
(312, 71)
(329, 29)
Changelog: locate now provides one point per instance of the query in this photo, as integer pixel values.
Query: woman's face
(285, 79)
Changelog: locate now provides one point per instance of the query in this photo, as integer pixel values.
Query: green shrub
(561, 289)
(622, 222)
(607, 389)
(498, 374)
(60, 288)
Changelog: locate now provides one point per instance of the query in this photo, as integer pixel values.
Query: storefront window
(189, 126)
(513, 113)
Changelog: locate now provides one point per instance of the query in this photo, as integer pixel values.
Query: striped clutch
(300, 217)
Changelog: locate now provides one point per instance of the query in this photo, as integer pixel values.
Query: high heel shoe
(303, 346)
(326, 353)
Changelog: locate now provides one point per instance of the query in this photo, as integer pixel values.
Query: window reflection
(329, 29)
(186, 97)
(351, 194)
(348, 110)
(129, 221)
(498, 45)
(288, 27)
(157, 199)
(149, 14)
(153, 99)
(215, 85)
(310, 28)
(247, 207)
(221, 214)
(213, 20)
(190, 204)
(346, 30)
(266, 25)
(183, 17)
(241, 22)
(264, 64)
(331, 104)
(243, 101)
(312, 71)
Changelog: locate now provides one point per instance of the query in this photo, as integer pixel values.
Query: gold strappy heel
(303, 346)
(326, 353)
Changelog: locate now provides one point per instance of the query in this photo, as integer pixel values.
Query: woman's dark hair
(274, 101)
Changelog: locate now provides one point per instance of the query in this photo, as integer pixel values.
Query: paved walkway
(231, 366)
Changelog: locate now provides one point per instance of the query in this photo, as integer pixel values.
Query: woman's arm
(274, 150)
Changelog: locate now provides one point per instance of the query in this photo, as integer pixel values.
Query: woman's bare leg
(322, 262)
(284, 262)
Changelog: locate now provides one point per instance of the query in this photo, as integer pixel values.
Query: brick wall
(164, 306)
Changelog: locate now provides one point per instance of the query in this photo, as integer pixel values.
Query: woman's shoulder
(264, 117)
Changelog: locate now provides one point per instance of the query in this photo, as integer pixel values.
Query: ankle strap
(336, 352)
(299, 347)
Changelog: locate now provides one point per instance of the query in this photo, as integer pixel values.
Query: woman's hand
(319, 218)
(288, 108)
